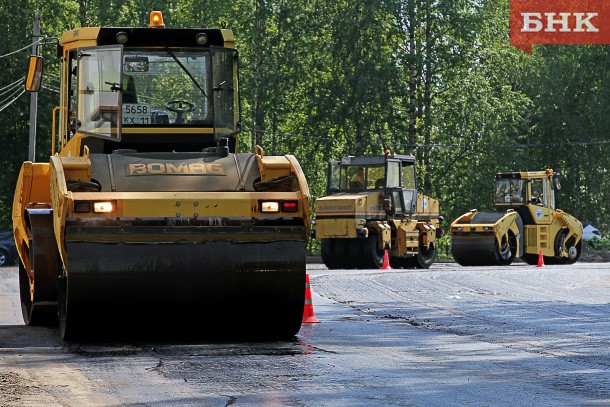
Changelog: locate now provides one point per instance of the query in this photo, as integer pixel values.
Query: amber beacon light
(156, 20)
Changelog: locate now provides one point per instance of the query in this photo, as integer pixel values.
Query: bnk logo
(562, 22)
(559, 22)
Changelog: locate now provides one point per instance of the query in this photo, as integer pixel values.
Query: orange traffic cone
(386, 261)
(308, 316)
(540, 260)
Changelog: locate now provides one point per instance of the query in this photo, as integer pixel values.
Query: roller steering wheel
(179, 109)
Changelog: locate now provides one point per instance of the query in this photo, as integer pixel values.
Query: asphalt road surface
(448, 336)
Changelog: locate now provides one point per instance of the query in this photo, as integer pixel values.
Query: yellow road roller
(372, 205)
(525, 224)
(147, 220)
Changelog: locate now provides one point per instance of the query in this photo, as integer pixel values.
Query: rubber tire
(327, 251)
(357, 257)
(372, 257)
(422, 260)
(335, 253)
(341, 253)
(425, 257)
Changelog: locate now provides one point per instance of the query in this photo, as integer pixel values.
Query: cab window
(164, 87)
(408, 176)
(393, 174)
(99, 91)
(509, 191)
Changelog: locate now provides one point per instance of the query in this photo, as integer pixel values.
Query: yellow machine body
(146, 219)
(380, 209)
(525, 224)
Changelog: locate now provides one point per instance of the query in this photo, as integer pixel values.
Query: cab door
(224, 86)
(99, 91)
(540, 200)
(403, 200)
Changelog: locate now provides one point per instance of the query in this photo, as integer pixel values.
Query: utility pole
(34, 95)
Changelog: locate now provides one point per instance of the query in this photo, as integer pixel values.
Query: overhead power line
(11, 102)
(445, 146)
(17, 82)
(11, 90)
(51, 88)
(20, 49)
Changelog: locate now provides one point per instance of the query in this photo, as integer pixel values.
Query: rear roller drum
(573, 249)
(506, 249)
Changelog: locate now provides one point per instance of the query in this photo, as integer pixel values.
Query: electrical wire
(51, 88)
(21, 49)
(12, 85)
(15, 91)
(11, 102)
(12, 90)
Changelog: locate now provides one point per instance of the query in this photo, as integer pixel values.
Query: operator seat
(129, 90)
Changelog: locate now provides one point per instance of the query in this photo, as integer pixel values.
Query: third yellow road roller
(526, 223)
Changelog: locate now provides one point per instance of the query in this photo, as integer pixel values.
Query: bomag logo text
(175, 169)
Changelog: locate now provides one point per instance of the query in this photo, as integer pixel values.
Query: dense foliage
(324, 79)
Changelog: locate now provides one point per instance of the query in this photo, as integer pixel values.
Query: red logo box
(559, 22)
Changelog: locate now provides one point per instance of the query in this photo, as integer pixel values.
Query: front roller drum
(213, 290)
(482, 251)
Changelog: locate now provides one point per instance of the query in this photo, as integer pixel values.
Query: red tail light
(290, 206)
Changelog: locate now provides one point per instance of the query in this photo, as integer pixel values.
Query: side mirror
(33, 78)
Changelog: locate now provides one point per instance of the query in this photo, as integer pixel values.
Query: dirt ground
(595, 256)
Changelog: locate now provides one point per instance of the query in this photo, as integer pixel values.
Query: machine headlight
(103, 207)
(270, 206)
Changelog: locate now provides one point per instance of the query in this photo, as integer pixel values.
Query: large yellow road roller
(525, 224)
(146, 220)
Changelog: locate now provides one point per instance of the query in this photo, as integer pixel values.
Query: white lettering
(534, 22)
(586, 21)
(551, 22)
(531, 22)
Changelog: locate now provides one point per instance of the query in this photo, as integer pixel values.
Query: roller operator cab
(146, 219)
(373, 205)
(526, 223)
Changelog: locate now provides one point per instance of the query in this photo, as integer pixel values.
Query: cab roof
(150, 37)
(349, 160)
(525, 174)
